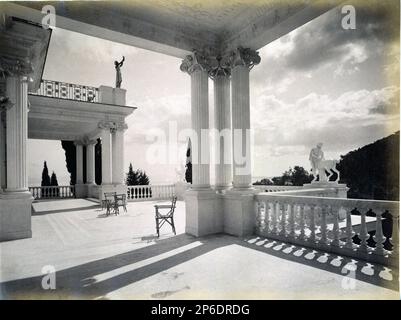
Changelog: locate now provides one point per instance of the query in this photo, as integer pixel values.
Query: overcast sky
(318, 83)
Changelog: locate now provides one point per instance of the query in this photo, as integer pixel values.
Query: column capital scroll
(245, 57)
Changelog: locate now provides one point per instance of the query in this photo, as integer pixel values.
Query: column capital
(15, 67)
(197, 61)
(245, 57)
(220, 66)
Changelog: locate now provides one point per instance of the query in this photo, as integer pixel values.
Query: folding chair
(166, 217)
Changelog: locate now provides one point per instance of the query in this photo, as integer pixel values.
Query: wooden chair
(109, 201)
(166, 217)
(120, 200)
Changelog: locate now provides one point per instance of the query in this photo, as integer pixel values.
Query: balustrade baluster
(323, 225)
(275, 212)
(349, 230)
(363, 234)
(302, 221)
(312, 227)
(395, 235)
(336, 228)
(283, 218)
(378, 237)
(291, 219)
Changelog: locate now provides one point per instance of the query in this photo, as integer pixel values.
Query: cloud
(352, 119)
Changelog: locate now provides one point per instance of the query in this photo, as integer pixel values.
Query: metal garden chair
(168, 216)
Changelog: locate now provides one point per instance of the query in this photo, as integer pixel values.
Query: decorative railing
(63, 90)
(53, 192)
(332, 224)
(150, 192)
(273, 188)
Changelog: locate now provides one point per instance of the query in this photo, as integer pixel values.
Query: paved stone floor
(119, 257)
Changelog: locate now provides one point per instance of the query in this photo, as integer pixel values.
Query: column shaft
(3, 172)
(90, 163)
(200, 120)
(79, 164)
(222, 121)
(117, 138)
(17, 134)
(106, 156)
(241, 127)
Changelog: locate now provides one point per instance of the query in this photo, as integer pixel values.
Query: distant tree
(294, 177)
(372, 171)
(188, 165)
(136, 177)
(45, 176)
(143, 178)
(263, 182)
(53, 180)
(299, 176)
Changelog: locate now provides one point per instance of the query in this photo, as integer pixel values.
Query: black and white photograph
(199, 150)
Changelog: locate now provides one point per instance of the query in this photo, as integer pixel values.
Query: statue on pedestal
(319, 164)
(316, 156)
(118, 66)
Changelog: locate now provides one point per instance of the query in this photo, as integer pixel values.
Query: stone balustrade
(150, 192)
(332, 224)
(274, 188)
(63, 90)
(52, 192)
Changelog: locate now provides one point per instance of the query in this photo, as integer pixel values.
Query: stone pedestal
(15, 215)
(110, 95)
(81, 190)
(239, 212)
(332, 189)
(204, 212)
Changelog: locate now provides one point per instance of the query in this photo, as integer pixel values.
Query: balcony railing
(332, 225)
(63, 90)
(53, 192)
(150, 192)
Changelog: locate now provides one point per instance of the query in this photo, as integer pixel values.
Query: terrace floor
(120, 257)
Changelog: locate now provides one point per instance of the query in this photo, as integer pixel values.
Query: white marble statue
(321, 165)
(316, 155)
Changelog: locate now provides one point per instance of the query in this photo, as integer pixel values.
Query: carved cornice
(15, 67)
(112, 126)
(245, 57)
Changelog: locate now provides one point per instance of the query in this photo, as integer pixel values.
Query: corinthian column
(106, 151)
(90, 162)
(17, 133)
(242, 61)
(117, 138)
(197, 67)
(220, 73)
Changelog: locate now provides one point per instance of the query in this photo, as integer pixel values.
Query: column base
(81, 190)
(239, 213)
(15, 215)
(204, 212)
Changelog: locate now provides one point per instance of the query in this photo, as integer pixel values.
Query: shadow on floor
(387, 277)
(79, 282)
(83, 281)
